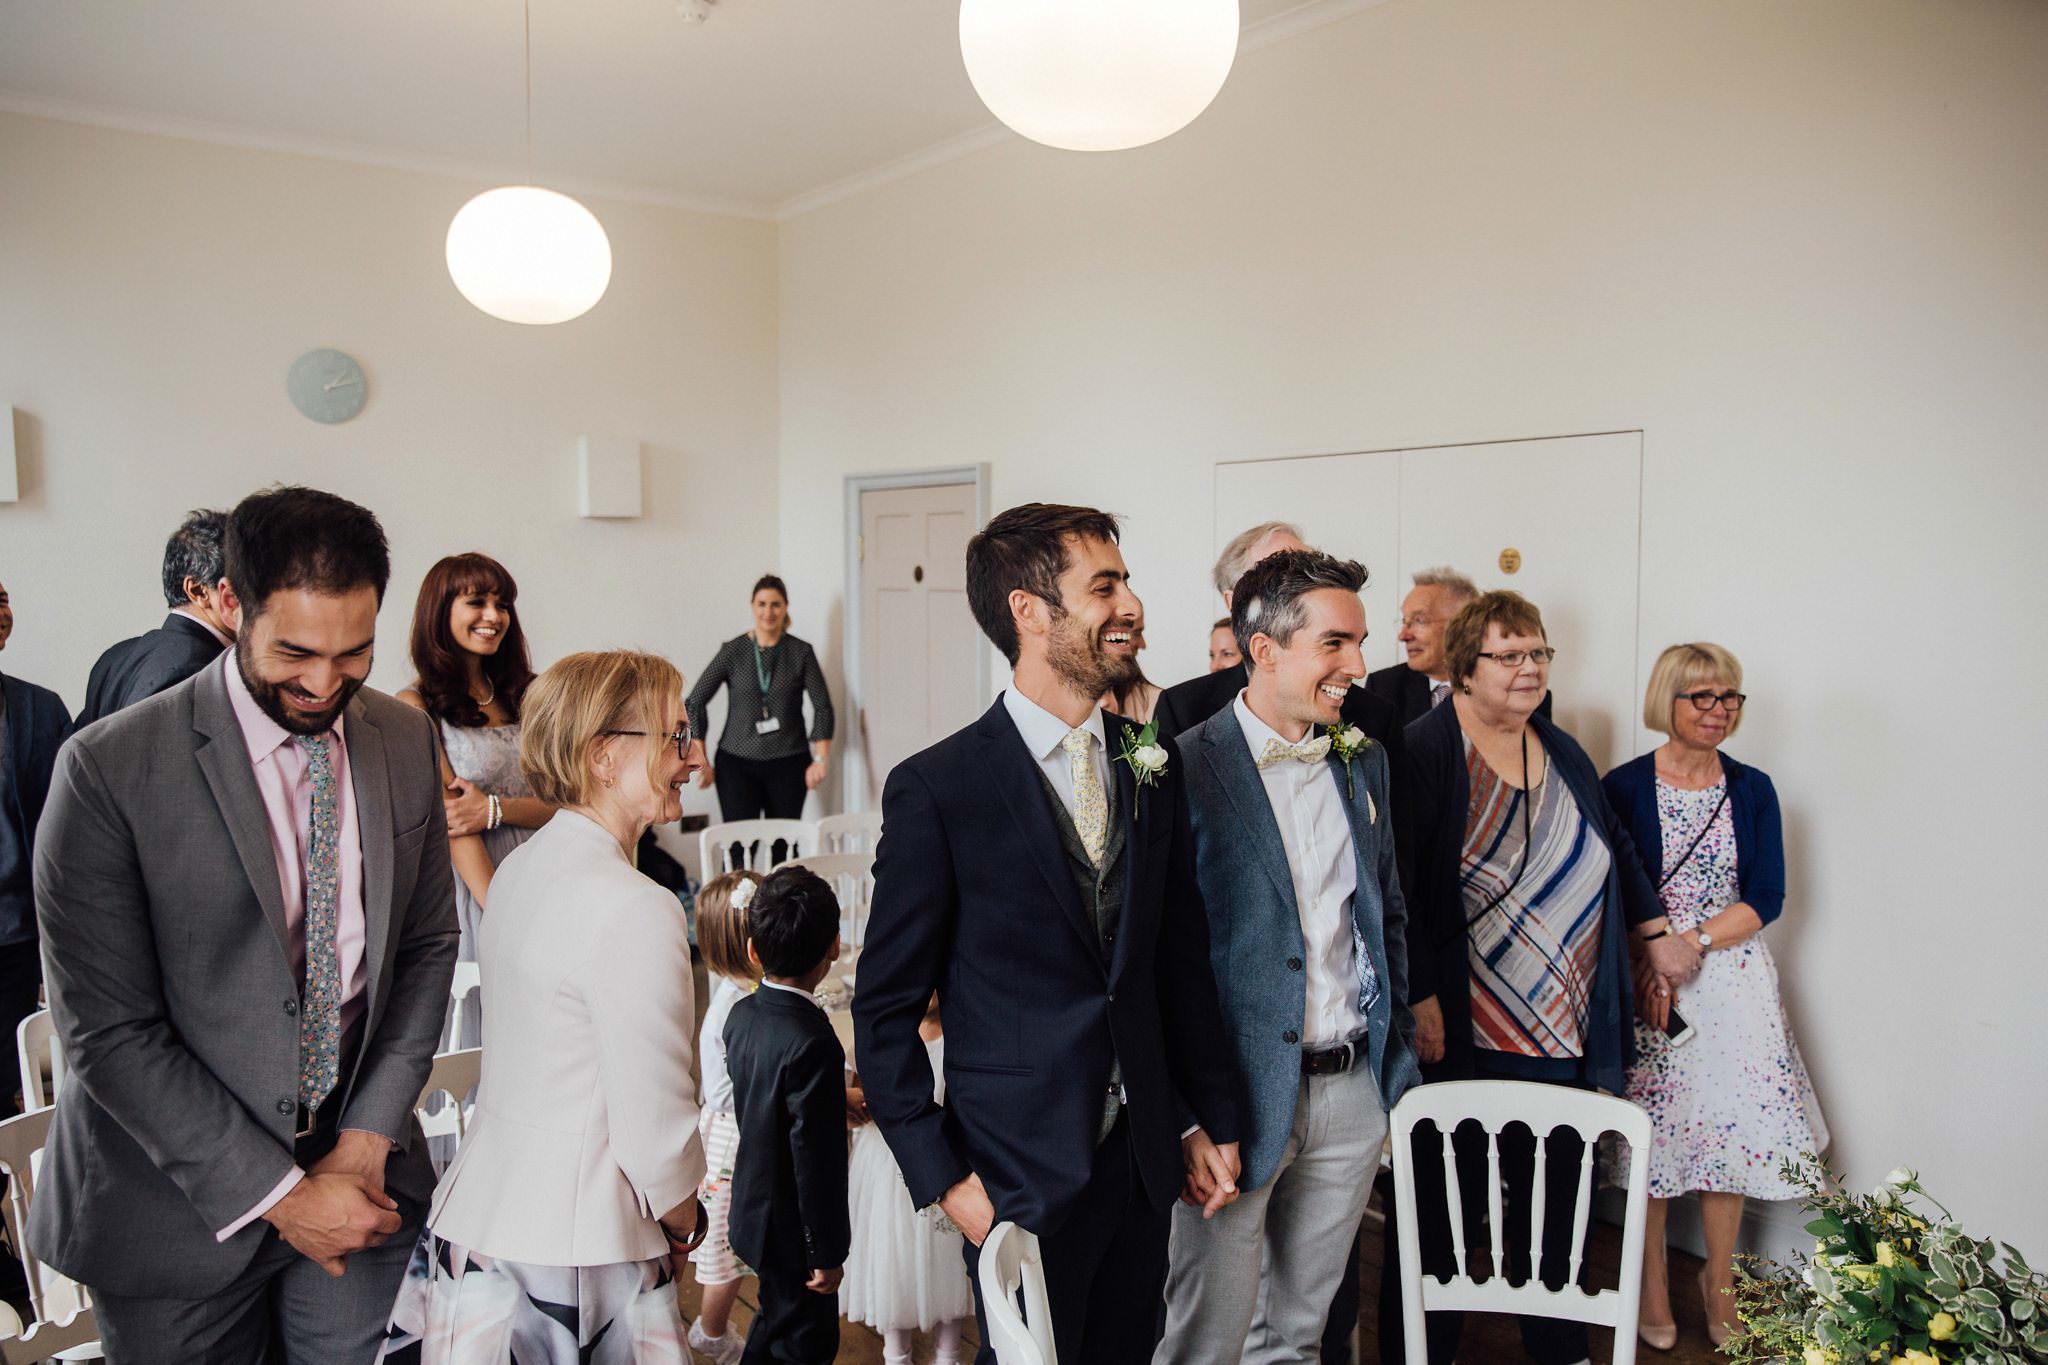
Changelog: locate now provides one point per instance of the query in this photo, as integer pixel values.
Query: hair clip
(743, 895)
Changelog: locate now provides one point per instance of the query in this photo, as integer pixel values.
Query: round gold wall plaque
(1510, 560)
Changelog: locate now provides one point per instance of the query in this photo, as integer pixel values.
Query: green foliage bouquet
(1888, 1283)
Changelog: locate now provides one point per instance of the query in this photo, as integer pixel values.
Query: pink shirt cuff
(284, 1187)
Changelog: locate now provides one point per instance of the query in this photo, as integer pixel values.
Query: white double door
(1568, 508)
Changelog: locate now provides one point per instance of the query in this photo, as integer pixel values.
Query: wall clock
(327, 386)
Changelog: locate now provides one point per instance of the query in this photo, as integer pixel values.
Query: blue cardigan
(1431, 794)
(1753, 806)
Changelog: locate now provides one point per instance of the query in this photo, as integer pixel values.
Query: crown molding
(1291, 23)
(359, 154)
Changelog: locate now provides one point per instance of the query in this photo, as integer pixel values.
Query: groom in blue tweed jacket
(1294, 854)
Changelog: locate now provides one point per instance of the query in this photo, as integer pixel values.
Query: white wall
(1799, 246)
(153, 293)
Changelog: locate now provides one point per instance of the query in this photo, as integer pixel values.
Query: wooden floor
(1488, 1340)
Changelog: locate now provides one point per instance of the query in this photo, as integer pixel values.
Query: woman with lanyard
(1521, 885)
(764, 767)
(1716, 1066)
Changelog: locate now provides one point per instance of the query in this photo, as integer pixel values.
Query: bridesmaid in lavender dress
(472, 668)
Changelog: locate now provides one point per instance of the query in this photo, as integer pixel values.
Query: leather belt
(1329, 1061)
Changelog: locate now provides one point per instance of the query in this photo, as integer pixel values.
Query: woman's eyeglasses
(1515, 658)
(1707, 701)
(681, 738)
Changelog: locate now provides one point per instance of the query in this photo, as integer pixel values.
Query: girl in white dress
(722, 938)
(905, 1273)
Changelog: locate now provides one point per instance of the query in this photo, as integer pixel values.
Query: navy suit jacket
(1255, 939)
(154, 661)
(37, 726)
(973, 899)
(788, 1209)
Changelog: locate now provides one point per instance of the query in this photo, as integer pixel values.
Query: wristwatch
(1705, 940)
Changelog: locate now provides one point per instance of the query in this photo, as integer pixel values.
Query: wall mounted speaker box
(607, 477)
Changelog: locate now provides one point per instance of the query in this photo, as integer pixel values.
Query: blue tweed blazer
(1255, 941)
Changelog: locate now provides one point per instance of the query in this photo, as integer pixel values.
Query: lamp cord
(526, 7)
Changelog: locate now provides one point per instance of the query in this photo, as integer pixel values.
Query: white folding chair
(1543, 1108)
(755, 840)
(858, 832)
(456, 1075)
(35, 1044)
(852, 879)
(468, 981)
(63, 1327)
(1009, 1265)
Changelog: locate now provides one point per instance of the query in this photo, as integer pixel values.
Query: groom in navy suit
(1036, 870)
(1294, 854)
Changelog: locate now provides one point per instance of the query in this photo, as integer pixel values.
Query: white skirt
(901, 1273)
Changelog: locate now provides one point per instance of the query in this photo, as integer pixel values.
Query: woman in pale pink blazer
(555, 1234)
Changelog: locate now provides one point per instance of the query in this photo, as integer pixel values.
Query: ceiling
(767, 107)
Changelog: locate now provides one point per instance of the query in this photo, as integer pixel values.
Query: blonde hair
(568, 708)
(1678, 669)
(722, 926)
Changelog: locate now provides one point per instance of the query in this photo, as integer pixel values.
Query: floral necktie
(1091, 807)
(320, 1010)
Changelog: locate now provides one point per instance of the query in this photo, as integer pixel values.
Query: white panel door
(1348, 505)
(920, 649)
(1571, 508)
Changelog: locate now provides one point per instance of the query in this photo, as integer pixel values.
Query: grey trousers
(283, 1310)
(1254, 1283)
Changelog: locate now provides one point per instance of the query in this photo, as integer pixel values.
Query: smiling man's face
(307, 654)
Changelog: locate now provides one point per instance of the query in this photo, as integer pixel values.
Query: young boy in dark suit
(789, 1218)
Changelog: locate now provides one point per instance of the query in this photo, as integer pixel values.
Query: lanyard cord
(763, 675)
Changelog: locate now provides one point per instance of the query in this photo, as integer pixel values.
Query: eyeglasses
(681, 738)
(1515, 658)
(1706, 701)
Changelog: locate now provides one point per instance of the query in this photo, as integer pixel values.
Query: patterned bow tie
(1308, 751)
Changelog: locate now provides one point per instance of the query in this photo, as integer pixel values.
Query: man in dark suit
(788, 1218)
(190, 638)
(33, 726)
(244, 894)
(1036, 869)
(1185, 705)
(1417, 687)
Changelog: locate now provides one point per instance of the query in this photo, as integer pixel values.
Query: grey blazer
(175, 997)
(1255, 941)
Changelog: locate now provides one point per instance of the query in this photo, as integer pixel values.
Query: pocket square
(1372, 812)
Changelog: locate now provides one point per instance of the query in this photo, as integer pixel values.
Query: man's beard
(269, 697)
(1078, 658)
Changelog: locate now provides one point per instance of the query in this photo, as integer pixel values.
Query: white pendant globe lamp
(527, 254)
(1097, 75)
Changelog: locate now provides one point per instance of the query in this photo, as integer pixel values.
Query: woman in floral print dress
(1729, 1105)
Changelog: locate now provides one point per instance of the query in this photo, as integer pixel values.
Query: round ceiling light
(1097, 75)
(529, 255)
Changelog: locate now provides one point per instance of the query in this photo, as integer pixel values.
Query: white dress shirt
(1315, 831)
(1045, 732)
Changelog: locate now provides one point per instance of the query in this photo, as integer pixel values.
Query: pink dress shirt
(286, 785)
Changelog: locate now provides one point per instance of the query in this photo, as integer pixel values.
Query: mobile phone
(1676, 1030)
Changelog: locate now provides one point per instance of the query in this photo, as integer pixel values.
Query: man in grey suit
(249, 927)
(1294, 854)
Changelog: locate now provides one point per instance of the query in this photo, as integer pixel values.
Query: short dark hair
(769, 580)
(290, 537)
(1026, 547)
(792, 921)
(197, 549)
(1267, 599)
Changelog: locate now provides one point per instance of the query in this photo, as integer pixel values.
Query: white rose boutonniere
(1348, 742)
(1145, 755)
